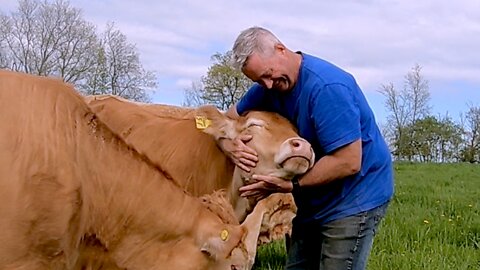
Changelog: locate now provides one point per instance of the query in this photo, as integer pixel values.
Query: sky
(377, 41)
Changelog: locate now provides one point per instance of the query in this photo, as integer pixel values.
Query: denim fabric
(338, 245)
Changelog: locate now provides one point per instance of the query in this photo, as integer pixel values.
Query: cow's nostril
(295, 144)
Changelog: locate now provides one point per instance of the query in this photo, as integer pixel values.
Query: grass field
(433, 222)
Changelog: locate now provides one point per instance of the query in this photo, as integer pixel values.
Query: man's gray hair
(252, 40)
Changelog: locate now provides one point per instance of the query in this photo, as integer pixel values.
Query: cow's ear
(213, 122)
(212, 248)
(221, 245)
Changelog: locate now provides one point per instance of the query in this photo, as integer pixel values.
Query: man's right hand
(242, 155)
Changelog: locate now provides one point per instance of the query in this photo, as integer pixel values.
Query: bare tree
(417, 95)
(471, 150)
(118, 70)
(17, 34)
(397, 118)
(48, 39)
(96, 81)
(76, 46)
(3, 53)
(405, 108)
(223, 85)
(193, 95)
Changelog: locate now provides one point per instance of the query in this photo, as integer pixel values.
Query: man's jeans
(338, 245)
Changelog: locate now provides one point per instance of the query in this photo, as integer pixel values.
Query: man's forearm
(326, 170)
(344, 162)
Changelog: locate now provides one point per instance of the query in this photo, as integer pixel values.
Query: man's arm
(337, 123)
(343, 162)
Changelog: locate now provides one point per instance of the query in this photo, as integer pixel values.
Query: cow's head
(234, 247)
(281, 152)
(226, 249)
(215, 246)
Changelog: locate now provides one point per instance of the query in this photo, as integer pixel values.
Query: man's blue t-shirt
(330, 111)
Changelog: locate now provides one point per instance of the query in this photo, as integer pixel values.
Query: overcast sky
(377, 41)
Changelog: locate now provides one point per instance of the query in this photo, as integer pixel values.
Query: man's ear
(279, 47)
(211, 121)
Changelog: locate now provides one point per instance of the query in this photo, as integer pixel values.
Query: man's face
(270, 71)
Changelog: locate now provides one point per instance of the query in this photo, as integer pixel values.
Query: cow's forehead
(269, 118)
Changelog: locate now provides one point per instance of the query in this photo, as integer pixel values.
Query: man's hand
(265, 186)
(242, 155)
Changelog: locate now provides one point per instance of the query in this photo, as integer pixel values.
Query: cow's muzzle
(295, 156)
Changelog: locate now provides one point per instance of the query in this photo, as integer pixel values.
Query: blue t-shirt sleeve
(254, 99)
(336, 117)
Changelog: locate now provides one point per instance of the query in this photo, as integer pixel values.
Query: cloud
(378, 41)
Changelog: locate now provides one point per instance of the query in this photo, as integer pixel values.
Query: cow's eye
(255, 125)
(253, 122)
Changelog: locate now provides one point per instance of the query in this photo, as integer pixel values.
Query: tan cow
(69, 186)
(169, 136)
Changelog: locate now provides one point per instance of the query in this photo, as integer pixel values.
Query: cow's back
(169, 137)
(38, 184)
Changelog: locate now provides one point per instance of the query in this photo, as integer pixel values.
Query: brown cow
(68, 185)
(168, 135)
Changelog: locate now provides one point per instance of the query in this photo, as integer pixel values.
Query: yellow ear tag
(202, 122)
(224, 235)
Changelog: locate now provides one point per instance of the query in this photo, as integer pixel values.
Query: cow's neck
(123, 195)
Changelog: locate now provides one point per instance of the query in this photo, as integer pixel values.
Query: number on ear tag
(224, 235)
(202, 122)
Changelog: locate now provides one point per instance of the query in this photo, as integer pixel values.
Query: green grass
(433, 222)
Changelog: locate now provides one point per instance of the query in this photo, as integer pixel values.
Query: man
(344, 196)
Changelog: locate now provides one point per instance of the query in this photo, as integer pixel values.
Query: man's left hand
(265, 186)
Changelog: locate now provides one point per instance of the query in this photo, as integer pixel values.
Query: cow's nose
(296, 144)
(295, 155)
(299, 146)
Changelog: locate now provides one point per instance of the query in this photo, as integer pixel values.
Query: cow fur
(167, 134)
(67, 182)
